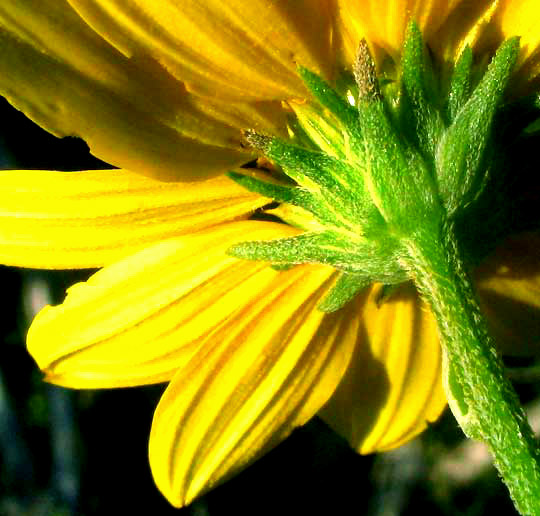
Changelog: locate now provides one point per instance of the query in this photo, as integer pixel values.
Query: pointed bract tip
(512, 46)
(365, 73)
(413, 29)
(257, 141)
(303, 72)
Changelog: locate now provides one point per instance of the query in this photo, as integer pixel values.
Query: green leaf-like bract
(463, 153)
(460, 85)
(344, 290)
(421, 121)
(328, 97)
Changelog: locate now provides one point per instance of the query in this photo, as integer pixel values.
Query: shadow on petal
(366, 387)
(393, 386)
(509, 289)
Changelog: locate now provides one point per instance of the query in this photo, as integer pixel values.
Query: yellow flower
(163, 90)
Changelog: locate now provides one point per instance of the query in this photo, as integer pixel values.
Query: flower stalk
(479, 394)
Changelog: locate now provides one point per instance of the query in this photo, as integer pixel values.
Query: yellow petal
(487, 23)
(383, 23)
(484, 25)
(447, 26)
(89, 219)
(138, 320)
(509, 287)
(235, 49)
(129, 109)
(263, 374)
(393, 387)
(522, 18)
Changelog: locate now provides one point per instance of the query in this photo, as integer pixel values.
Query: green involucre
(418, 160)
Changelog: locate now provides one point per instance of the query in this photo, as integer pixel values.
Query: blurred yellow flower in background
(164, 90)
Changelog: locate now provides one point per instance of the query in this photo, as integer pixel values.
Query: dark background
(85, 452)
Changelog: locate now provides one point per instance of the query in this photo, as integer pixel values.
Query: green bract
(409, 157)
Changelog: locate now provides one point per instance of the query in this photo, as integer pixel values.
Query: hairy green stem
(480, 396)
